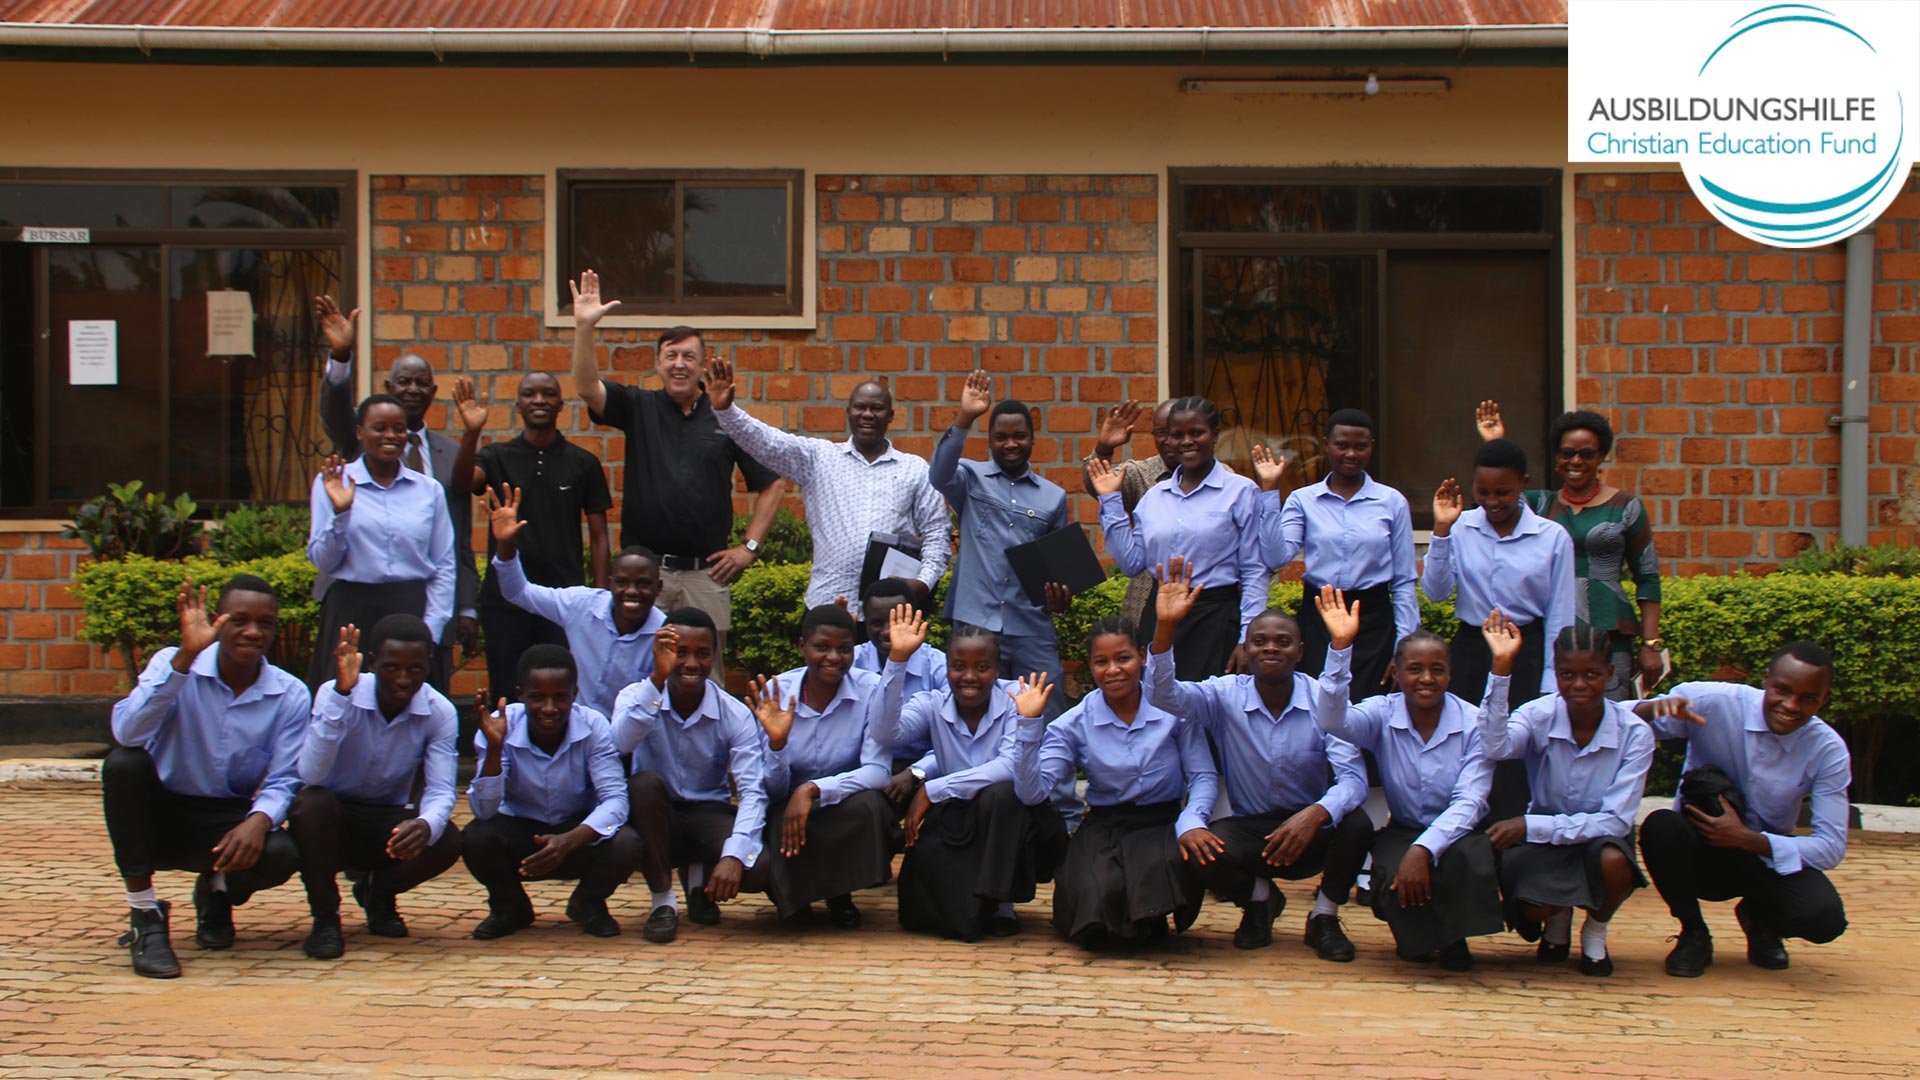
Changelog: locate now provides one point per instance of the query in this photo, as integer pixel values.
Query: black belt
(682, 562)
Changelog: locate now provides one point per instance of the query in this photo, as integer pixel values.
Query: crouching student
(1295, 790)
(205, 770)
(368, 741)
(1768, 742)
(687, 737)
(973, 848)
(1443, 887)
(829, 828)
(1587, 759)
(549, 802)
(1150, 785)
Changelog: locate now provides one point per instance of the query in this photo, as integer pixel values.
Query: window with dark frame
(721, 242)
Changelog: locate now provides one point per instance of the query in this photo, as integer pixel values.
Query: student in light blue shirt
(205, 770)
(1777, 753)
(369, 739)
(1150, 786)
(925, 672)
(549, 802)
(1587, 759)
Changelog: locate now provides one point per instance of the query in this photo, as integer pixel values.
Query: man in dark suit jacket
(431, 452)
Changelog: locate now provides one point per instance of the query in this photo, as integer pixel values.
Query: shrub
(1884, 560)
(129, 603)
(124, 523)
(259, 532)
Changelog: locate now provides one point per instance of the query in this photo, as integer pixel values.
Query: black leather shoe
(212, 915)
(324, 942)
(503, 921)
(842, 913)
(152, 945)
(1256, 924)
(1328, 939)
(1692, 953)
(1002, 925)
(1765, 949)
(1549, 953)
(701, 908)
(383, 915)
(1456, 957)
(594, 918)
(662, 926)
(1600, 968)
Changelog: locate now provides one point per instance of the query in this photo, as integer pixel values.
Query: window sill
(33, 525)
(803, 321)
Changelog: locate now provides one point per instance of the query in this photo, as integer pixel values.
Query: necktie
(413, 452)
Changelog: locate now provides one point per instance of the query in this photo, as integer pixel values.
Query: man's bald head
(411, 380)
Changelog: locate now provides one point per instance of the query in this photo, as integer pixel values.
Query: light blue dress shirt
(926, 674)
(1350, 544)
(1580, 793)
(581, 781)
(1271, 762)
(694, 754)
(1527, 574)
(996, 512)
(400, 532)
(1438, 786)
(1216, 528)
(834, 748)
(361, 756)
(207, 741)
(609, 661)
(963, 763)
(1774, 772)
(1157, 758)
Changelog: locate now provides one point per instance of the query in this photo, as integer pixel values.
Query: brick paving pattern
(752, 997)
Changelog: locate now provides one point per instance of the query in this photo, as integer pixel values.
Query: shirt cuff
(1539, 828)
(1193, 817)
(1786, 854)
(937, 789)
(744, 848)
(1433, 841)
(338, 370)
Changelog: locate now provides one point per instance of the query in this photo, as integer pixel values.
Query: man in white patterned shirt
(851, 489)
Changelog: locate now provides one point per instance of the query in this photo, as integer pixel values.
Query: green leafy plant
(258, 532)
(1880, 560)
(788, 540)
(125, 522)
(129, 603)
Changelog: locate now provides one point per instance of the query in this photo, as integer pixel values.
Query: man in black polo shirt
(559, 483)
(679, 477)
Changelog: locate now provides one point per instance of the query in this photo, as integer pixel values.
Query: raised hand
(346, 659)
(1030, 700)
(1342, 620)
(1177, 594)
(339, 330)
(1267, 469)
(503, 516)
(196, 633)
(1116, 427)
(906, 632)
(776, 719)
(666, 653)
(976, 397)
(1446, 506)
(339, 486)
(587, 308)
(1486, 417)
(1103, 476)
(1503, 639)
(473, 411)
(719, 378)
(492, 722)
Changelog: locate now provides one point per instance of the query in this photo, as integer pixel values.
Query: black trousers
(510, 631)
(680, 832)
(494, 848)
(152, 828)
(1472, 663)
(334, 835)
(1686, 870)
(1337, 853)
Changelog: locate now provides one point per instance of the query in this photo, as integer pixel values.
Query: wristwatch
(752, 545)
(919, 773)
(1651, 643)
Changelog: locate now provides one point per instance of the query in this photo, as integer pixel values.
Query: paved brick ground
(751, 997)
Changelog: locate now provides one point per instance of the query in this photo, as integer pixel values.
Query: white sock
(665, 899)
(1593, 938)
(1559, 927)
(219, 883)
(1262, 888)
(1004, 911)
(1324, 906)
(696, 876)
(144, 900)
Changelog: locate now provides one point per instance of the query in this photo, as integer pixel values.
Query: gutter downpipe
(1855, 381)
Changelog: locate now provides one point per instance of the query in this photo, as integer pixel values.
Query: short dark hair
(889, 586)
(401, 627)
(1350, 418)
(827, 616)
(970, 632)
(674, 335)
(692, 618)
(547, 375)
(1809, 653)
(1422, 636)
(1012, 407)
(1111, 626)
(1582, 638)
(1194, 403)
(637, 551)
(252, 583)
(1275, 613)
(545, 657)
(1501, 454)
(360, 414)
(1581, 420)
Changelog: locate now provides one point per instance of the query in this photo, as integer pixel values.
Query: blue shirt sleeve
(1406, 602)
(1203, 782)
(275, 796)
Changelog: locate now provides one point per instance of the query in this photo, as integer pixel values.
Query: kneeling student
(1288, 822)
(686, 736)
(206, 767)
(1443, 889)
(973, 848)
(548, 802)
(1587, 759)
(1150, 784)
(368, 740)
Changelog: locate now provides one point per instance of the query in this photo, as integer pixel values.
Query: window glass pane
(625, 233)
(1272, 208)
(256, 207)
(736, 241)
(81, 206)
(1457, 209)
(17, 375)
(97, 434)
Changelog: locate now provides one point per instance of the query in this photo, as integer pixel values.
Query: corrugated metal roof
(786, 15)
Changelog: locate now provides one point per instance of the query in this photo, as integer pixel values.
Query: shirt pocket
(246, 768)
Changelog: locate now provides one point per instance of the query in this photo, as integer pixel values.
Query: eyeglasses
(1583, 453)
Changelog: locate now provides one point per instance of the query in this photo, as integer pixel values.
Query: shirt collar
(1528, 523)
(790, 684)
(1301, 698)
(1453, 713)
(891, 453)
(1369, 489)
(998, 705)
(357, 469)
(1101, 713)
(708, 709)
(207, 665)
(993, 469)
(1215, 478)
(1561, 727)
(604, 612)
(519, 731)
(365, 695)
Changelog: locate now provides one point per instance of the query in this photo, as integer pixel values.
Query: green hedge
(130, 603)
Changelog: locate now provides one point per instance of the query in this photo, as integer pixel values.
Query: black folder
(1063, 555)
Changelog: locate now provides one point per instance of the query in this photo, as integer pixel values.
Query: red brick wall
(40, 653)
(1718, 361)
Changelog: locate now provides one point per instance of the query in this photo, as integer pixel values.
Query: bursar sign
(1795, 123)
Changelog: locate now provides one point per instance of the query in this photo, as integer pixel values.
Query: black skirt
(1372, 646)
(1472, 663)
(974, 855)
(361, 605)
(1123, 875)
(1466, 892)
(1560, 875)
(849, 847)
(1208, 635)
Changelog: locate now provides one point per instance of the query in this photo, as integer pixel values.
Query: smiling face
(1273, 647)
(1190, 439)
(1794, 691)
(634, 581)
(1349, 451)
(828, 653)
(252, 620)
(383, 434)
(1423, 672)
(1497, 491)
(538, 401)
(1579, 458)
(1010, 443)
(1116, 663)
(1582, 678)
(548, 696)
(411, 380)
(679, 364)
(973, 670)
(876, 613)
(692, 661)
(1162, 417)
(399, 671)
(869, 414)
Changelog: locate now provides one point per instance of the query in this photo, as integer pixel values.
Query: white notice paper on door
(93, 352)
(229, 323)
